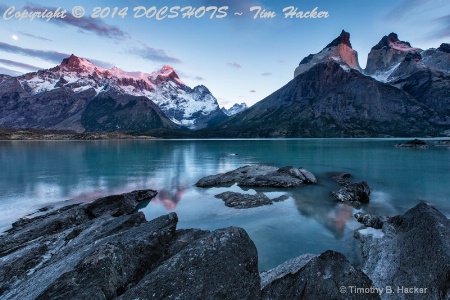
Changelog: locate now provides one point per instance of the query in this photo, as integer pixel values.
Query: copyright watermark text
(382, 290)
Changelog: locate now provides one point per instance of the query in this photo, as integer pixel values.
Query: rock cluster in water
(107, 250)
(414, 144)
(353, 193)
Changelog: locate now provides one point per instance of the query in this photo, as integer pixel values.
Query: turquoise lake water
(34, 174)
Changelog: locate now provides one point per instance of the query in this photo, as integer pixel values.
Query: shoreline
(13, 134)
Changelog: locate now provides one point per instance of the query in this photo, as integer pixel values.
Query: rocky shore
(36, 134)
(108, 250)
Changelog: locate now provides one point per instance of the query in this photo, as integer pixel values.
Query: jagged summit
(339, 50)
(343, 38)
(83, 67)
(444, 47)
(389, 41)
(392, 41)
(387, 55)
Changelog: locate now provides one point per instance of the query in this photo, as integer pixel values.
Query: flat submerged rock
(238, 200)
(261, 176)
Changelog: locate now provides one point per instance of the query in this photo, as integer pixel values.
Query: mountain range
(403, 91)
(80, 96)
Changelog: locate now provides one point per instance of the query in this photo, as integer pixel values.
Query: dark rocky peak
(387, 40)
(444, 47)
(343, 38)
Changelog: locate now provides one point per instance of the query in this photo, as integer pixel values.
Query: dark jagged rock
(239, 200)
(221, 265)
(353, 193)
(322, 277)
(106, 249)
(369, 220)
(261, 176)
(415, 144)
(111, 267)
(411, 250)
(118, 205)
(444, 47)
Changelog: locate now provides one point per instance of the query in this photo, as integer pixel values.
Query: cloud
(46, 55)
(153, 54)
(266, 74)
(404, 8)
(252, 91)
(9, 72)
(19, 64)
(445, 31)
(86, 23)
(234, 65)
(186, 76)
(35, 36)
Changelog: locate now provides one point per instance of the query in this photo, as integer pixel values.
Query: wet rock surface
(239, 200)
(319, 277)
(411, 250)
(261, 176)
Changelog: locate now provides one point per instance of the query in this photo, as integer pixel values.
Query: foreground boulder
(260, 176)
(239, 200)
(410, 251)
(326, 276)
(106, 250)
(219, 265)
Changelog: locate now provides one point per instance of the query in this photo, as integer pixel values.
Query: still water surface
(34, 174)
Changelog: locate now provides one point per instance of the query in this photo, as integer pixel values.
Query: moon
(15, 37)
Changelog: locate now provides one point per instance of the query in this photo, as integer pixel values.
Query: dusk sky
(238, 58)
